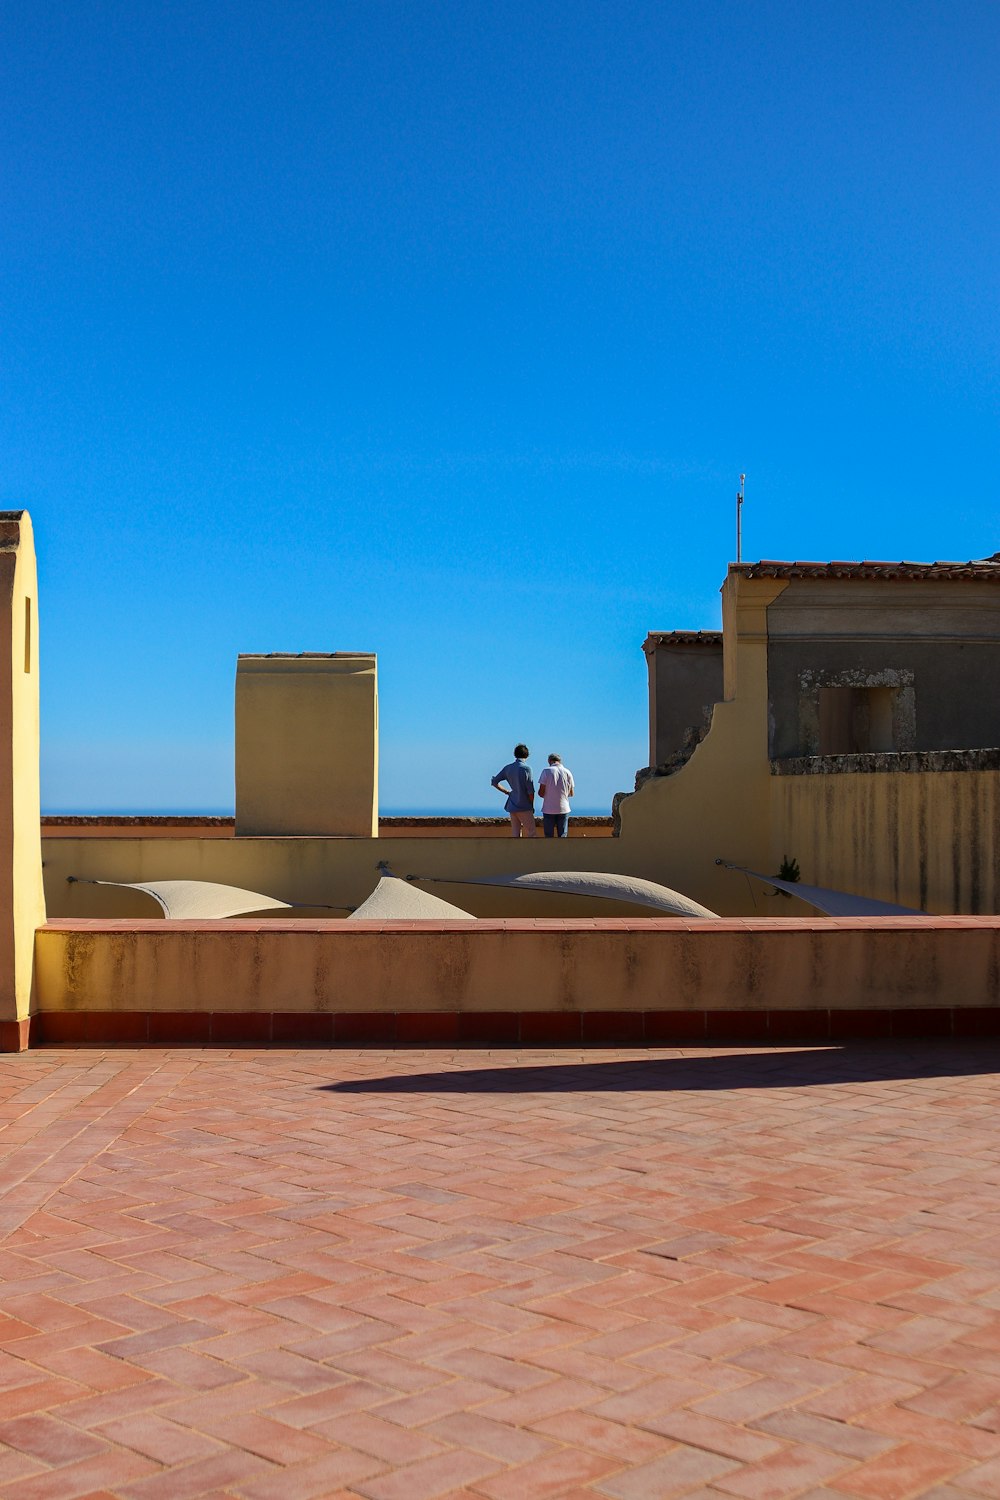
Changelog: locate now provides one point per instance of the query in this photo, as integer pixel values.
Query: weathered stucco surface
(936, 640)
(718, 803)
(659, 965)
(925, 839)
(685, 682)
(916, 826)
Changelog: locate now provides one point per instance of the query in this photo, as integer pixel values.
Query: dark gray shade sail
(831, 903)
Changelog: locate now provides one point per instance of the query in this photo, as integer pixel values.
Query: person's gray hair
(555, 759)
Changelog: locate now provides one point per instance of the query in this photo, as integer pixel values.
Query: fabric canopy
(197, 900)
(593, 883)
(396, 900)
(832, 903)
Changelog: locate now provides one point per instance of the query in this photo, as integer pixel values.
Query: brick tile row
(497, 1028)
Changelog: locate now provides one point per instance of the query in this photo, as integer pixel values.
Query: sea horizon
(228, 812)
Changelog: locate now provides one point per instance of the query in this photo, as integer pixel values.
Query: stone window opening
(856, 720)
(855, 711)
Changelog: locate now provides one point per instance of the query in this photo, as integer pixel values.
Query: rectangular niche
(856, 720)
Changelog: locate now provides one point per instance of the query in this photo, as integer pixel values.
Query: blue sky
(444, 331)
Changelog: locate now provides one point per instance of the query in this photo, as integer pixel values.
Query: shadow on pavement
(760, 1069)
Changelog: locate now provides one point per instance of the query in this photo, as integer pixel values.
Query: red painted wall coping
(498, 1028)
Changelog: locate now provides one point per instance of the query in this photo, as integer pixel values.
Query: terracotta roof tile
(682, 638)
(987, 568)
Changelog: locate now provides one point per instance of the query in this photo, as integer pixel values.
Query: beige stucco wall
(338, 871)
(307, 744)
(22, 905)
(927, 840)
(585, 966)
(718, 805)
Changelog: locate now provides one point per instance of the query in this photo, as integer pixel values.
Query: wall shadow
(760, 1069)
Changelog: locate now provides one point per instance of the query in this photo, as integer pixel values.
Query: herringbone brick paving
(501, 1275)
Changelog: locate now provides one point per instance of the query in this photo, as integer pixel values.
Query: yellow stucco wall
(926, 839)
(584, 966)
(22, 905)
(718, 805)
(922, 839)
(307, 744)
(340, 871)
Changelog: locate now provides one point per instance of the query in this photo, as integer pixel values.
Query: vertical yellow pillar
(307, 744)
(22, 900)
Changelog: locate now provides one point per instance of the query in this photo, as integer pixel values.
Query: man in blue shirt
(520, 791)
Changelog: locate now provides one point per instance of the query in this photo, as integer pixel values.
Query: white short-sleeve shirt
(555, 785)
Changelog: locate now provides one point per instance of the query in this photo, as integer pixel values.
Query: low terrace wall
(340, 872)
(516, 982)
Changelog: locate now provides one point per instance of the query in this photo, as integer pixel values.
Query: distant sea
(227, 812)
(493, 811)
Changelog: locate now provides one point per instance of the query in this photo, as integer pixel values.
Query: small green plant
(789, 872)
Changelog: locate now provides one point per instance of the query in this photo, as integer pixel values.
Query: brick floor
(420, 1274)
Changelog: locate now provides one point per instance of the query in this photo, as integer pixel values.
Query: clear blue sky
(444, 331)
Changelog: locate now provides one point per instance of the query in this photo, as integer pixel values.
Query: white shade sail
(197, 900)
(397, 900)
(593, 883)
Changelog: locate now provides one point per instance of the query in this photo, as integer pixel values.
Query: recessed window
(27, 635)
(855, 720)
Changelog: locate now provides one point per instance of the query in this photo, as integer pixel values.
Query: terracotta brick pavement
(411, 1275)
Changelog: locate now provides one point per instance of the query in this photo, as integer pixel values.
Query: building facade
(857, 731)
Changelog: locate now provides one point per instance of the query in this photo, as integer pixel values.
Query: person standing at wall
(556, 787)
(520, 791)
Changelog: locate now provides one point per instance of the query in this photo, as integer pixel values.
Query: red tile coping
(651, 1028)
(178, 825)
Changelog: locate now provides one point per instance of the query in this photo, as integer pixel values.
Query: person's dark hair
(521, 752)
(555, 760)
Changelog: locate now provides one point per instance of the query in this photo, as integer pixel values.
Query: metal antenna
(739, 518)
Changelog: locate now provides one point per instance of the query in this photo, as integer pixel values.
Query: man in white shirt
(556, 787)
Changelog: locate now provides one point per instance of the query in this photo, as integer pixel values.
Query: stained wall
(685, 682)
(664, 965)
(933, 641)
